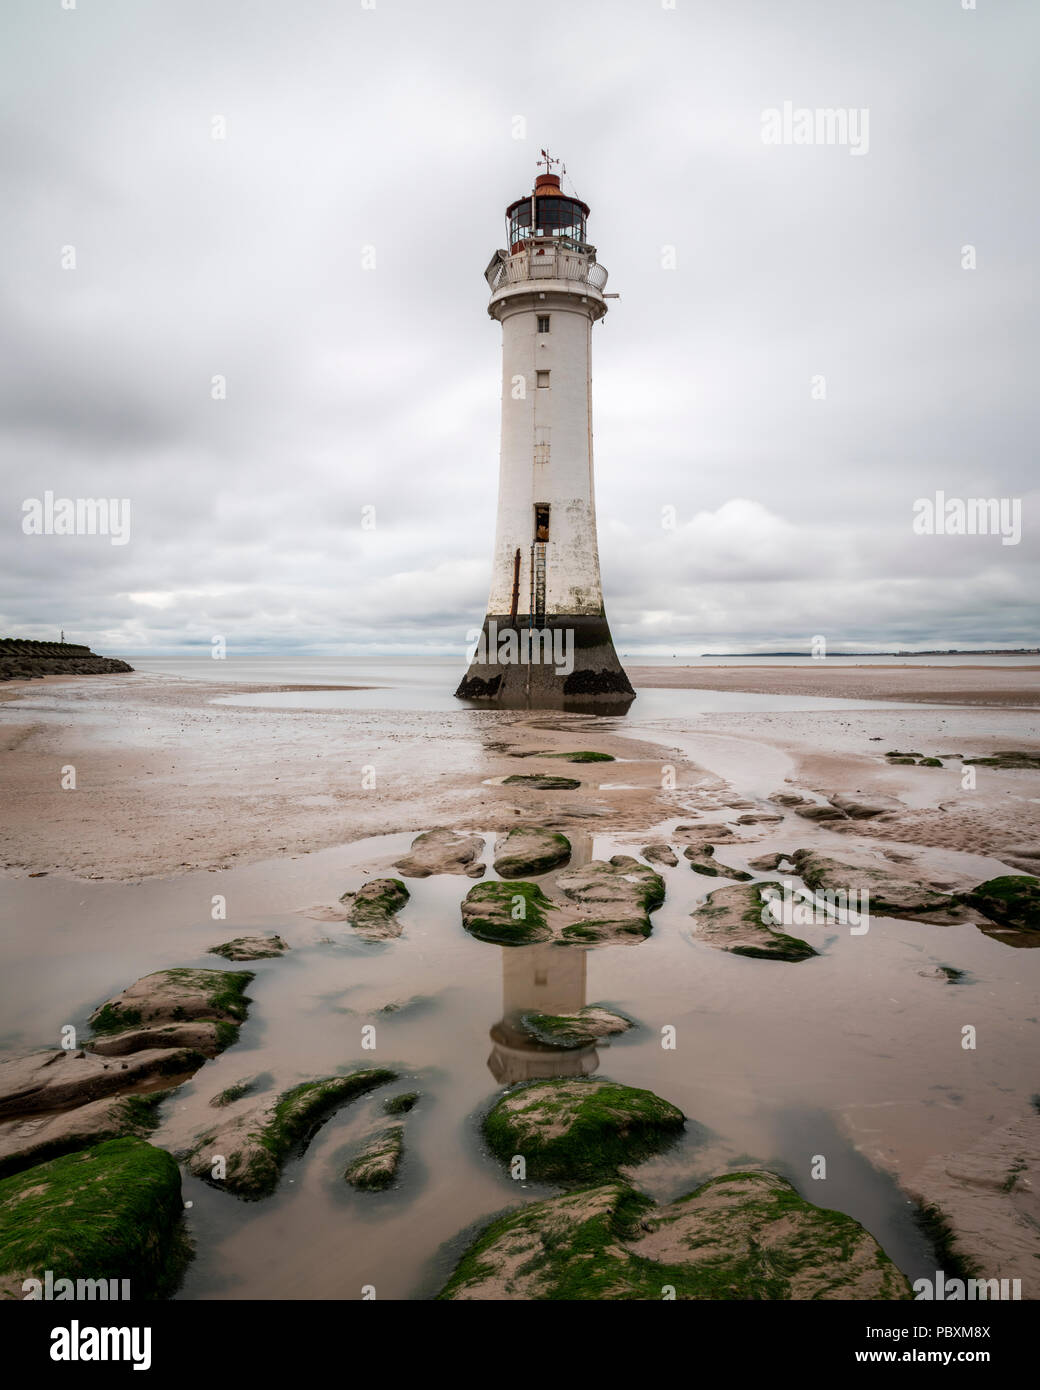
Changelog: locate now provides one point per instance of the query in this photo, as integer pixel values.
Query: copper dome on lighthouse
(546, 212)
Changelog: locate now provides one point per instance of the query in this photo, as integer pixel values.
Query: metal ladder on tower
(538, 583)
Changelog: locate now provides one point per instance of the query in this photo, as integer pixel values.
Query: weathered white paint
(546, 452)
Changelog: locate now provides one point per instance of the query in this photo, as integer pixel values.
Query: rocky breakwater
(22, 660)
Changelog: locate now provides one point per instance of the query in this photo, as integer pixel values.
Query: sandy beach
(186, 789)
(168, 780)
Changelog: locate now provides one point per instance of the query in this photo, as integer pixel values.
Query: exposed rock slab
(766, 863)
(589, 1025)
(575, 1128)
(373, 908)
(819, 813)
(37, 1138)
(203, 1036)
(542, 782)
(530, 850)
(660, 853)
(38, 1082)
(255, 1145)
(585, 755)
(259, 946)
(375, 1166)
(860, 807)
(401, 1104)
(703, 861)
(615, 898)
(736, 918)
(601, 902)
(175, 996)
(889, 894)
(443, 852)
(744, 1236)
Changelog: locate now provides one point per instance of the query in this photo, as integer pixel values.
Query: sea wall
(21, 659)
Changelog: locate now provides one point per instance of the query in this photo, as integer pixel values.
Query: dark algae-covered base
(578, 1129)
(108, 1212)
(1012, 900)
(743, 1236)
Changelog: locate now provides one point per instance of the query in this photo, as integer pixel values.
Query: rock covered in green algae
(49, 1135)
(256, 1144)
(530, 850)
(616, 898)
(443, 851)
(660, 853)
(176, 996)
(255, 947)
(375, 1166)
(1011, 759)
(400, 1105)
(577, 1129)
(373, 908)
(580, 1029)
(43, 1082)
(735, 919)
(585, 756)
(1012, 900)
(542, 782)
(112, 1211)
(603, 903)
(744, 1236)
(508, 914)
(889, 894)
(703, 861)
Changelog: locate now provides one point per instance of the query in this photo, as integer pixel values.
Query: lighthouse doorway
(541, 521)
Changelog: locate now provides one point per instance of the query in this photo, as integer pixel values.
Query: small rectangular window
(543, 323)
(541, 521)
(543, 379)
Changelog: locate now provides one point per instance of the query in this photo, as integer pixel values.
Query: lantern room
(546, 212)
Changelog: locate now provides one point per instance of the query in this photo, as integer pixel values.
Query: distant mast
(546, 597)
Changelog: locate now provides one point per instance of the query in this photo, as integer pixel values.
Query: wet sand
(855, 1054)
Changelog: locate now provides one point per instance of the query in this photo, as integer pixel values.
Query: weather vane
(549, 161)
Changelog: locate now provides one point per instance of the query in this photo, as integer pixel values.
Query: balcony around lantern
(548, 260)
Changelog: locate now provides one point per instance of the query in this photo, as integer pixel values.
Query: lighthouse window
(541, 521)
(543, 379)
(543, 323)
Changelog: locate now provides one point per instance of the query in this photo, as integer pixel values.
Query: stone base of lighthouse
(559, 662)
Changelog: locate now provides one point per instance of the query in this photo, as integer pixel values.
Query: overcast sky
(393, 127)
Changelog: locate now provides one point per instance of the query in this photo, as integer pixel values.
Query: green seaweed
(602, 1125)
(112, 1211)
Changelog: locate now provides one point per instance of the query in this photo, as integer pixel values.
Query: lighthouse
(545, 642)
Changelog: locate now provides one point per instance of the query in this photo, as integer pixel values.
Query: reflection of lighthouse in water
(545, 979)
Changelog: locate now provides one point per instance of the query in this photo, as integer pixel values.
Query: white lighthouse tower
(545, 640)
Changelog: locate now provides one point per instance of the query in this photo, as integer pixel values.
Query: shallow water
(770, 1056)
